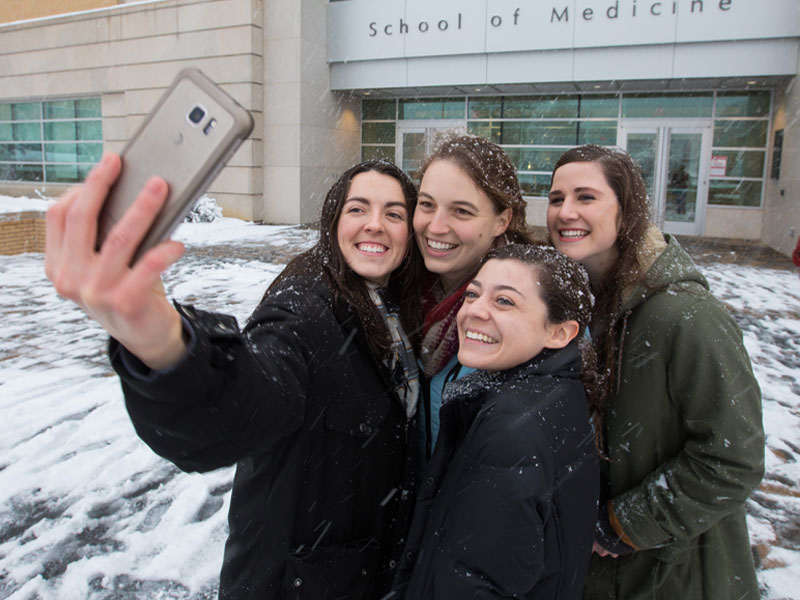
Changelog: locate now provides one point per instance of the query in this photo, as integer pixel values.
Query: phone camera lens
(196, 115)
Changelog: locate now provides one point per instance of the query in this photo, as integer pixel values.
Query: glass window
(492, 131)
(526, 107)
(378, 133)
(379, 110)
(742, 104)
(88, 108)
(666, 105)
(377, 152)
(433, 108)
(602, 133)
(537, 159)
(73, 132)
(61, 153)
(63, 173)
(599, 107)
(90, 153)
(540, 133)
(18, 172)
(534, 184)
(740, 133)
(59, 109)
(742, 163)
(485, 108)
(90, 130)
(27, 131)
(61, 130)
(734, 193)
(26, 111)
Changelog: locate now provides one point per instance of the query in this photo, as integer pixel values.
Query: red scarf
(439, 330)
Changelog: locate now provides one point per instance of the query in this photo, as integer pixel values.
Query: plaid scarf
(401, 363)
(439, 330)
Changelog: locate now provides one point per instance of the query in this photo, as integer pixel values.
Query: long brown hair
(624, 176)
(326, 259)
(490, 168)
(564, 288)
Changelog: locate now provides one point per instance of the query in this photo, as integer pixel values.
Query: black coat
(508, 507)
(322, 494)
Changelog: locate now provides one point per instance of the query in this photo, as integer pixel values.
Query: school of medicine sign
(382, 29)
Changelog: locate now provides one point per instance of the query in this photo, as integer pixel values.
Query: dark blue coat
(508, 507)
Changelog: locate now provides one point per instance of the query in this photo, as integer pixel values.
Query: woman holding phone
(469, 202)
(682, 432)
(313, 400)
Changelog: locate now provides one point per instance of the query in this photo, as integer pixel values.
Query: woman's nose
(568, 211)
(374, 222)
(438, 223)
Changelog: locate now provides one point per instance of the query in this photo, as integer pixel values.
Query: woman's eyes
(557, 200)
(396, 216)
(470, 294)
(504, 301)
(426, 204)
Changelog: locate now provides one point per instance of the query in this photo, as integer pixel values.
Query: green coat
(685, 442)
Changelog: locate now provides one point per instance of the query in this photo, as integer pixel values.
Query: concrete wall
(782, 197)
(128, 55)
(17, 10)
(310, 133)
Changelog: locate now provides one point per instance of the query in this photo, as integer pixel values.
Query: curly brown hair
(490, 168)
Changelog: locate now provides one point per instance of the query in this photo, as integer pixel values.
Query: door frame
(663, 128)
(427, 126)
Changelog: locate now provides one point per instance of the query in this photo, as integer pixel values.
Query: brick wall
(21, 232)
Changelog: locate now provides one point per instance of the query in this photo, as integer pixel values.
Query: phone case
(188, 137)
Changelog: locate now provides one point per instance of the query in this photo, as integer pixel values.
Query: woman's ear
(561, 334)
(502, 223)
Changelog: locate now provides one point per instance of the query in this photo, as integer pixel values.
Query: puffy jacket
(508, 506)
(685, 443)
(322, 494)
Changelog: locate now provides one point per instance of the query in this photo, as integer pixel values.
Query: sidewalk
(706, 251)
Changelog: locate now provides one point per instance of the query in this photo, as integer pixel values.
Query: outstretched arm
(128, 301)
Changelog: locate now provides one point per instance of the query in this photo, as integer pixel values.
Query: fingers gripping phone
(188, 137)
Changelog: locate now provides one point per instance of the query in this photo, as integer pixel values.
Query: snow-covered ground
(88, 511)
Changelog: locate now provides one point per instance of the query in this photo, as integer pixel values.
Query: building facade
(702, 92)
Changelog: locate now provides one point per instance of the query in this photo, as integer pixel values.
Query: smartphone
(187, 138)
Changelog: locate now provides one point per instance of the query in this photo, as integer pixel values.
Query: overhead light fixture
(597, 86)
(752, 82)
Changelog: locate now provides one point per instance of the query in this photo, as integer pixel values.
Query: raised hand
(128, 301)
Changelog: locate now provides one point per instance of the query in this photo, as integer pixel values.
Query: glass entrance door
(416, 141)
(674, 159)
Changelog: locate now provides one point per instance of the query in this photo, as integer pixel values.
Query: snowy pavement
(88, 511)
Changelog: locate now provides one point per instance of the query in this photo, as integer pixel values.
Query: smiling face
(373, 229)
(583, 217)
(455, 222)
(503, 321)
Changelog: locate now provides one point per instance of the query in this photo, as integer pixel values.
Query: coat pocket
(338, 571)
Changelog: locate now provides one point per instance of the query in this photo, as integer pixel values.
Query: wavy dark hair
(624, 176)
(565, 290)
(325, 259)
(490, 168)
